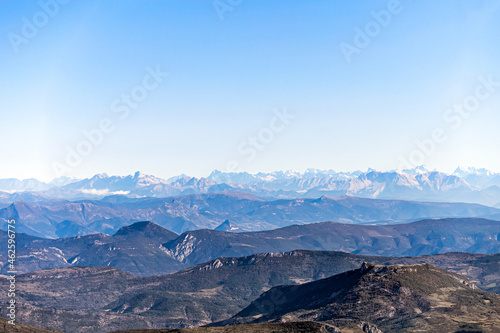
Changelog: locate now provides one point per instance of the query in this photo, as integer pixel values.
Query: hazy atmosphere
(170, 88)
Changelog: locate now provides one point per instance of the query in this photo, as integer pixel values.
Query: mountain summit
(395, 298)
(226, 226)
(145, 229)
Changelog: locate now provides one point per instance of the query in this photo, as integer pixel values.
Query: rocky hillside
(5, 327)
(105, 299)
(396, 298)
(300, 327)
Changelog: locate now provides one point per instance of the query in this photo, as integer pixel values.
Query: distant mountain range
(464, 185)
(146, 249)
(242, 211)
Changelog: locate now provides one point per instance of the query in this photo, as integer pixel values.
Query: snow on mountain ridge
(460, 171)
(477, 186)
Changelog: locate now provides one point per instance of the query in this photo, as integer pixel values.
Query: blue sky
(232, 66)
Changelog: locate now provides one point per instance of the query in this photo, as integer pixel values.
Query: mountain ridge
(464, 185)
(246, 212)
(109, 299)
(394, 298)
(146, 249)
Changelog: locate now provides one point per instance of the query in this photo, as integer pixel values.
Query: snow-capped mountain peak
(466, 185)
(461, 172)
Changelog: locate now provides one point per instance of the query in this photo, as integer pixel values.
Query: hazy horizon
(300, 172)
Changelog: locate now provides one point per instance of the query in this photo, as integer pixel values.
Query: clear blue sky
(226, 76)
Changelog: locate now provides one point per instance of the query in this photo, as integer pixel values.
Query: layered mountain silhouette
(253, 253)
(145, 248)
(245, 212)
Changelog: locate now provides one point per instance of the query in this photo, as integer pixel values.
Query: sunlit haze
(171, 87)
